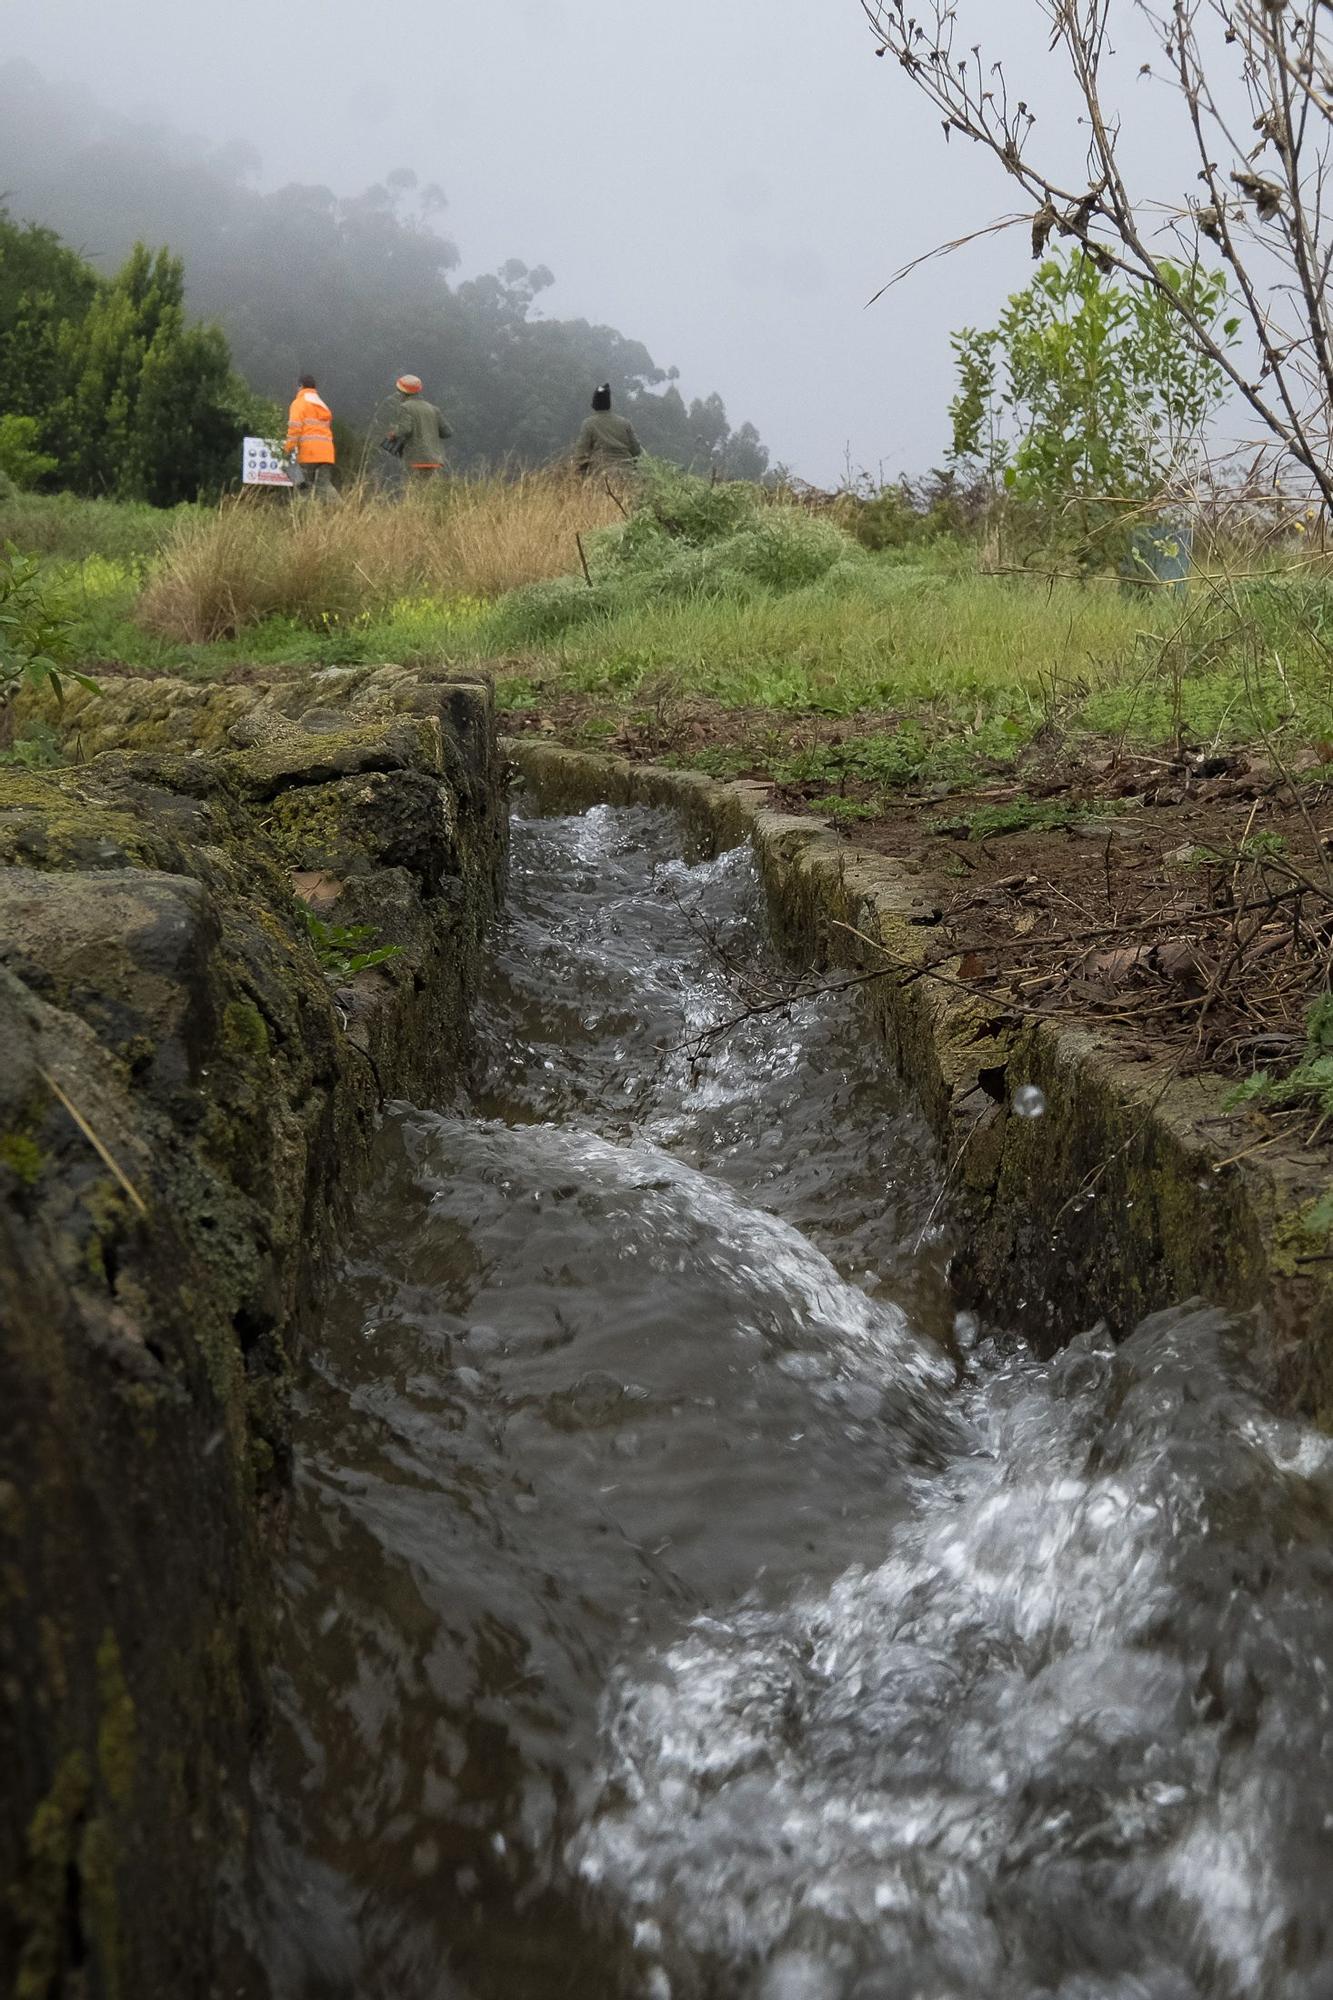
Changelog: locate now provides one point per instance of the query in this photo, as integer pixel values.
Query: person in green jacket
(607, 442)
(418, 432)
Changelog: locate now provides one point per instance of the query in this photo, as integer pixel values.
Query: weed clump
(687, 542)
(1021, 815)
(253, 560)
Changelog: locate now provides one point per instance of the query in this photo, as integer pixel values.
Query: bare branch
(1263, 198)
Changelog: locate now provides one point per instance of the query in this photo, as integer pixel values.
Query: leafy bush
(37, 747)
(1088, 398)
(945, 505)
(21, 462)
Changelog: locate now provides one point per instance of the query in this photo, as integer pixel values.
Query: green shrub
(682, 508)
(687, 542)
(888, 521)
(36, 747)
(544, 612)
(786, 550)
(22, 463)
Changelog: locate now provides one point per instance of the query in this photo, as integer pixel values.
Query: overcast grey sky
(726, 180)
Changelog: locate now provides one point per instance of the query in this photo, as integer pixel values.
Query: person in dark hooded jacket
(607, 442)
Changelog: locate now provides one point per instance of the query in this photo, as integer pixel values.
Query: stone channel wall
(189, 1082)
(1136, 1190)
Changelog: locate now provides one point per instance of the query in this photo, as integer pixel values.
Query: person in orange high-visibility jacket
(310, 440)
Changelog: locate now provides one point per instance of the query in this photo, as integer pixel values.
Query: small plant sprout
(343, 950)
(34, 632)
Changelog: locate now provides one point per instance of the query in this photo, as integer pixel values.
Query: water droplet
(1029, 1102)
(965, 1329)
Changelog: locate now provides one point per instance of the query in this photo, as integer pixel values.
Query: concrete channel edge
(1136, 1190)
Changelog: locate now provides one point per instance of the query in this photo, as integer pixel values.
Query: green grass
(995, 657)
(1310, 1082)
(770, 617)
(63, 527)
(877, 638)
(99, 596)
(1021, 815)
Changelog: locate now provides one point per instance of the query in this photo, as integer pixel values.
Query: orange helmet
(409, 384)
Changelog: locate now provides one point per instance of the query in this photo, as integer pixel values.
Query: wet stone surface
(679, 1602)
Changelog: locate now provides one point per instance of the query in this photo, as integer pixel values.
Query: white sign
(261, 465)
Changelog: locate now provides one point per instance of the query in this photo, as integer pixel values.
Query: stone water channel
(680, 1602)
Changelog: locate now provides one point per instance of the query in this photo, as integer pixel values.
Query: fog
(727, 183)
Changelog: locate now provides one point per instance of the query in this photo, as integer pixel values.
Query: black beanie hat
(601, 398)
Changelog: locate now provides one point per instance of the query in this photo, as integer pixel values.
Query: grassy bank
(1067, 758)
(64, 529)
(259, 581)
(715, 626)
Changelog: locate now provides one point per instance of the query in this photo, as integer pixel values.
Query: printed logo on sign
(261, 465)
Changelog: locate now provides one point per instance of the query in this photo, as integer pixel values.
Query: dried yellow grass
(259, 557)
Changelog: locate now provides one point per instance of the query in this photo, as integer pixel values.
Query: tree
(43, 286)
(151, 408)
(354, 289)
(1088, 398)
(1251, 85)
(746, 456)
(22, 462)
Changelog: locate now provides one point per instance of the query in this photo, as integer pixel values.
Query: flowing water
(680, 1603)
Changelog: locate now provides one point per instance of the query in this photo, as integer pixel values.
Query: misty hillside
(354, 288)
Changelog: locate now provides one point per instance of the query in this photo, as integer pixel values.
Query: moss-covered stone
(41, 1896)
(117, 1746)
(182, 1117)
(22, 1155)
